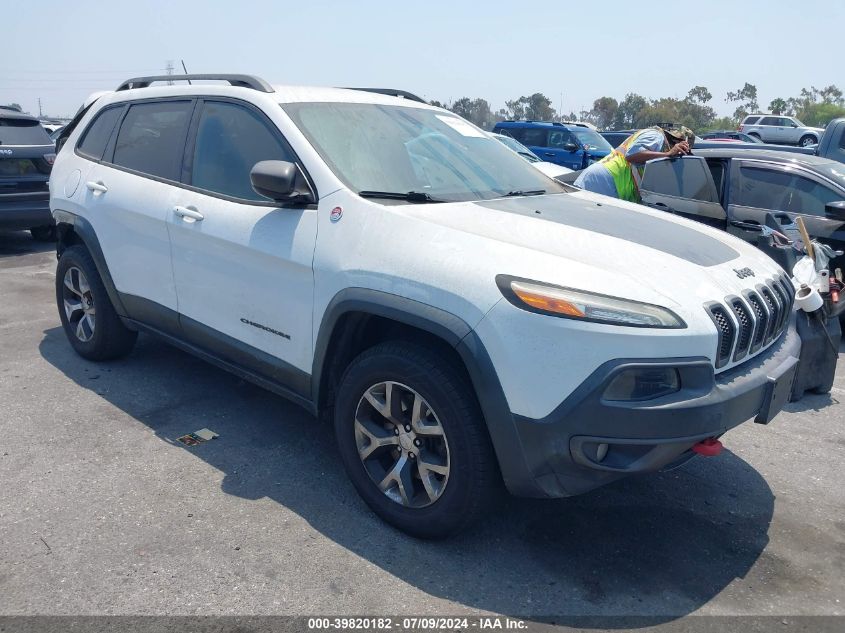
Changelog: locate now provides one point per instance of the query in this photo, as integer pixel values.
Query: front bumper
(25, 210)
(563, 453)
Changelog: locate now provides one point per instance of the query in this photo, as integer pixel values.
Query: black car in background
(616, 137)
(26, 158)
(734, 189)
(730, 135)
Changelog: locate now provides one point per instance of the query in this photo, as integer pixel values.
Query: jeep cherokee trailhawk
(463, 319)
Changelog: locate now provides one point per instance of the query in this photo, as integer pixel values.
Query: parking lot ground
(103, 512)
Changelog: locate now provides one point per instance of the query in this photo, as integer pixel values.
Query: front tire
(88, 318)
(807, 140)
(413, 441)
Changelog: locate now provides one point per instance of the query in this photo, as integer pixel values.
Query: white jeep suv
(463, 319)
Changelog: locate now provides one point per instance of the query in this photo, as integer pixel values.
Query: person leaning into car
(618, 174)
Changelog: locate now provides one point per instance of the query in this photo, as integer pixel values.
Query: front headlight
(569, 303)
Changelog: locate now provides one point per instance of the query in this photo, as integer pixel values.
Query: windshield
(518, 147)
(591, 140)
(386, 148)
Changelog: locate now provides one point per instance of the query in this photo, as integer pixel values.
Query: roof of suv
(746, 151)
(530, 123)
(9, 113)
(140, 87)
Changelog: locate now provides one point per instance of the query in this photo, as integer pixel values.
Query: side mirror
(279, 180)
(835, 210)
(570, 147)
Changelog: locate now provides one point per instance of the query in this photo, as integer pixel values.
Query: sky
(444, 50)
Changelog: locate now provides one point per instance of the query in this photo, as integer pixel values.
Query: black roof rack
(391, 92)
(242, 81)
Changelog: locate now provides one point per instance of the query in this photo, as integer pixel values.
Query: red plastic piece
(708, 448)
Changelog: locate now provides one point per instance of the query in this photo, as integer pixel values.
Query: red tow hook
(708, 448)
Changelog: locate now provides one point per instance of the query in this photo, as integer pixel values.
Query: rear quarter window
(152, 138)
(15, 131)
(97, 136)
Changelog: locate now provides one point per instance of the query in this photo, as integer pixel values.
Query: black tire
(110, 339)
(43, 233)
(473, 479)
(807, 139)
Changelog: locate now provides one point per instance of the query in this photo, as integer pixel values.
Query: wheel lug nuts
(407, 428)
(418, 442)
(395, 431)
(411, 455)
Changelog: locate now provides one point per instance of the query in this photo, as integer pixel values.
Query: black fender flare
(66, 221)
(460, 336)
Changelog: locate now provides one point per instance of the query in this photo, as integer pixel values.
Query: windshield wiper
(410, 196)
(530, 192)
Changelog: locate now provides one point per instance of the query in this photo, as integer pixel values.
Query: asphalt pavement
(103, 512)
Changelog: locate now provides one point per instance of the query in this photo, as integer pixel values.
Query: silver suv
(783, 130)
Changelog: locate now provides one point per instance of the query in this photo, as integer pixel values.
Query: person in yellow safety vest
(618, 174)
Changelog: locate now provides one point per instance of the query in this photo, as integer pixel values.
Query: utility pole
(169, 70)
(40, 114)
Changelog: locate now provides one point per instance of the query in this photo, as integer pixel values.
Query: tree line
(813, 106)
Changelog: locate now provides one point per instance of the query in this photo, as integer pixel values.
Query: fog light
(643, 383)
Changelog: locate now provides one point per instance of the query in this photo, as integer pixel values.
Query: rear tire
(427, 465)
(89, 320)
(43, 233)
(807, 140)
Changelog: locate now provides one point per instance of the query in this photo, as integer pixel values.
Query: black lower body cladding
(587, 441)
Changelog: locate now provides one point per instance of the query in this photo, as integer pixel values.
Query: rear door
(684, 186)
(127, 197)
(760, 187)
(242, 264)
(768, 128)
(537, 140)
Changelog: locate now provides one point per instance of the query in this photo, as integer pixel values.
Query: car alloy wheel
(78, 304)
(401, 444)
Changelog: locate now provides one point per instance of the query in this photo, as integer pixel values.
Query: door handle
(188, 214)
(96, 187)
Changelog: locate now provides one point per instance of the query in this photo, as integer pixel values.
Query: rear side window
(534, 136)
(770, 120)
(751, 120)
(231, 139)
(783, 191)
(681, 178)
(152, 138)
(15, 131)
(97, 135)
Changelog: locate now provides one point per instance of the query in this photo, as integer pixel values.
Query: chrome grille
(746, 327)
(746, 324)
